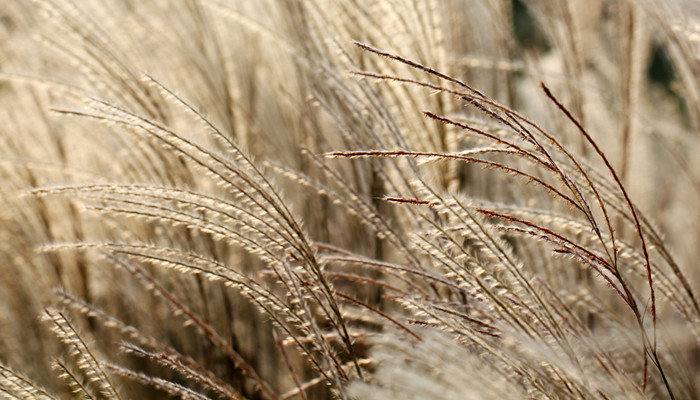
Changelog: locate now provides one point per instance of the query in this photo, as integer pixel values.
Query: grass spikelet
(86, 362)
(15, 386)
(168, 387)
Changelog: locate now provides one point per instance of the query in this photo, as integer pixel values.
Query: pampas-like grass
(332, 199)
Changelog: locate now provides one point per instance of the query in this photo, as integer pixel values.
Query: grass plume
(349, 199)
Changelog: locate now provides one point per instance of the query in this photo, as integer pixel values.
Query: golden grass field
(351, 199)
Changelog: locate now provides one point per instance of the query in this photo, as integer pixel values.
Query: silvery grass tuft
(211, 199)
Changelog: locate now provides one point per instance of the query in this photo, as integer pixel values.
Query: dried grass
(349, 199)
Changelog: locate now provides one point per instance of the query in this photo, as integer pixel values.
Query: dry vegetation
(249, 200)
